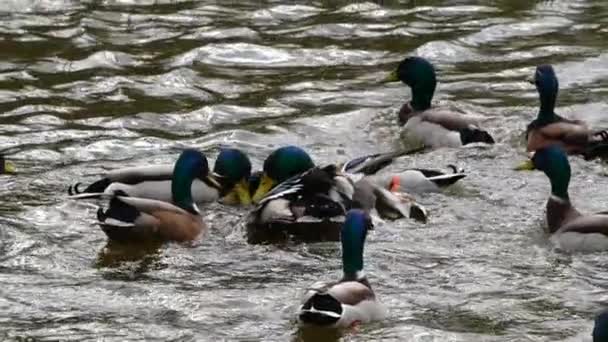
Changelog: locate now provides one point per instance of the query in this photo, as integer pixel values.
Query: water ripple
(89, 86)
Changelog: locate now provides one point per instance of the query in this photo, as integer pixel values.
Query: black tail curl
(73, 189)
(98, 186)
(320, 302)
(602, 134)
(473, 135)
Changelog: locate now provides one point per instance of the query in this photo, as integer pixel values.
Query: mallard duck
(137, 219)
(600, 329)
(6, 167)
(570, 229)
(308, 206)
(549, 128)
(408, 180)
(281, 164)
(289, 161)
(433, 127)
(311, 206)
(418, 180)
(228, 181)
(351, 300)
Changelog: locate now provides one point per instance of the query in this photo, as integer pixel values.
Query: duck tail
(447, 179)
(473, 135)
(418, 213)
(598, 148)
(96, 187)
(118, 220)
(321, 309)
(596, 151)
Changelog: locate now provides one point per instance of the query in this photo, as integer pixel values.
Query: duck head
(281, 164)
(6, 167)
(353, 234)
(552, 160)
(419, 75)
(547, 86)
(232, 170)
(190, 165)
(600, 329)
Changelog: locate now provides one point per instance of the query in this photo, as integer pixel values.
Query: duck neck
(181, 190)
(559, 185)
(422, 97)
(352, 259)
(547, 107)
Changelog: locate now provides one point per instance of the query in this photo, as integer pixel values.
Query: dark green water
(87, 86)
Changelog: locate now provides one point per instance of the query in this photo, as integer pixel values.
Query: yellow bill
(242, 192)
(266, 184)
(9, 167)
(528, 165)
(392, 77)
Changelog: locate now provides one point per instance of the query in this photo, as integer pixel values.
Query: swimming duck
(308, 206)
(570, 229)
(139, 219)
(228, 181)
(6, 167)
(281, 164)
(311, 206)
(600, 329)
(431, 126)
(408, 180)
(549, 128)
(351, 300)
(418, 180)
(289, 161)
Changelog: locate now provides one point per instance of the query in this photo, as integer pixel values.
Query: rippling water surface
(87, 86)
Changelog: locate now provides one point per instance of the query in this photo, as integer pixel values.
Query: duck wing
(372, 163)
(351, 292)
(129, 175)
(574, 136)
(288, 188)
(150, 205)
(124, 222)
(324, 304)
(450, 120)
(596, 223)
(465, 125)
(130, 218)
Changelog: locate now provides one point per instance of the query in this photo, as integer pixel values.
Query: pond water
(88, 86)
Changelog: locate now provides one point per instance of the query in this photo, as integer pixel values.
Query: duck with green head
(428, 125)
(310, 206)
(6, 167)
(350, 300)
(229, 181)
(551, 129)
(130, 219)
(570, 229)
(281, 164)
